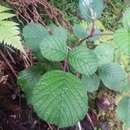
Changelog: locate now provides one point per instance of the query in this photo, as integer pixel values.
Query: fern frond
(9, 30)
(3, 8)
(6, 15)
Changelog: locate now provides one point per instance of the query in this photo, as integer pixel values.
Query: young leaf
(80, 31)
(27, 79)
(112, 75)
(91, 9)
(123, 111)
(54, 48)
(33, 35)
(122, 40)
(9, 31)
(105, 53)
(60, 98)
(91, 82)
(83, 60)
(126, 19)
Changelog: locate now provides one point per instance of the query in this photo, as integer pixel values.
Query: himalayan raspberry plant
(72, 64)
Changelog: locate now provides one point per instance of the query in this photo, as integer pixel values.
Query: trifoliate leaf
(112, 75)
(83, 60)
(91, 82)
(54, 48)
(60, 98)
(91, 9)
(105, 53)
(123, 111)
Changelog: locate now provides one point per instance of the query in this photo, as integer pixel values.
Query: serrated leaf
(91, 9)
(54, 48)
(83, 60)
(122, 40)
(9, 31)
(123, 111)
(59, 31)
(106, 38)
(112, 75)
(28, 78)
(91, 82)
(80, 31)
(105, 53)
(126, 19)
(33, 35)
(124, 86)
(60, 98)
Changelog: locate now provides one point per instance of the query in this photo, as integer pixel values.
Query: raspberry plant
(72, 64)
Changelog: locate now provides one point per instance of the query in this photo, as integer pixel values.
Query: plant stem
(65, 65)
(90, 120)
(79, 126)
(94, 36)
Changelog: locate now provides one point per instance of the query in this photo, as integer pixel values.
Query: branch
(88, 37)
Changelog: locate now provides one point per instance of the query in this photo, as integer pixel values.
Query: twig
(90, 120)
(7, 62)
(79, 126)
(50, 127)
(10, 56)
(94, 36)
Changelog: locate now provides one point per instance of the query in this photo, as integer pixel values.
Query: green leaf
(125, 85)
(123, 111)
(122, 40)
(126, 19)
(83, 60)
(59, 31)
(9, 30)
(112, 76)
(80, 31)
(6, 15)
(91, 82)
(91, 9)
(28, 78)
(33, 35)
(105, 53)
(54, 48)
(3, 9)
(60, 98)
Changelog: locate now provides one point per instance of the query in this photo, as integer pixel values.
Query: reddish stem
(93, 29)
(65, 65)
